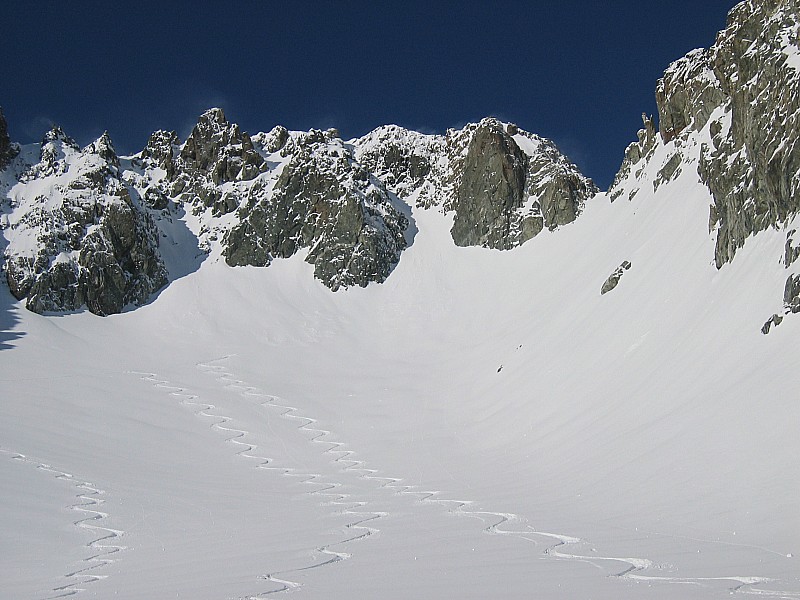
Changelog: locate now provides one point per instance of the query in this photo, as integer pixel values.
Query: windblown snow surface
(482, 425)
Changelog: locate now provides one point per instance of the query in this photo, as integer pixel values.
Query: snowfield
(482, 425)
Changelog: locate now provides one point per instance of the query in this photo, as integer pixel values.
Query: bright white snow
(482, 425)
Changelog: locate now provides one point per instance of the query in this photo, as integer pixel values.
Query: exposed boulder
(791, 303)
(791, 251)
(791, 294)
(614, 278)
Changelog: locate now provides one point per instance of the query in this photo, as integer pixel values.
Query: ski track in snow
(494, 521)
(89, 500)
(247, 450)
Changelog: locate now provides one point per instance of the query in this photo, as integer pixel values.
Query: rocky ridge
(322, 200)
(92, 237)
(732, 113)
(503, 184)
(81, 226)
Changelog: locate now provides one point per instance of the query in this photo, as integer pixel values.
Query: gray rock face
(753, 170)
(791, 251)
(732, 113)
(614, 278)
(490, 190)
(322, 200)
(160, 151)
(774, 320)
(746, 89)
(508, 185)
(636, 156)
(276, 193)
(791, 294)
(216, 152)
(503, 184)
(91, 239)
(791, 303)
(220, 150)
(81, 240)
(7, 149)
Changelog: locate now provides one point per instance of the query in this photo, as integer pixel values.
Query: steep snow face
(731, 115)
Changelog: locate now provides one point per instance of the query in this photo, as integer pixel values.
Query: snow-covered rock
(323, 200)
(75, 235)
(504, 185)
(731, 113)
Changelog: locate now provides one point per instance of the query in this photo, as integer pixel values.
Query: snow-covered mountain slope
(653, 425)
(592, 414)
(258, 199)
(730, 114)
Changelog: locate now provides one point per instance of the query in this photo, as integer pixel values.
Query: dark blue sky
(578, 72)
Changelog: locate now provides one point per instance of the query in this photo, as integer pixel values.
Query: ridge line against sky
(578, 72)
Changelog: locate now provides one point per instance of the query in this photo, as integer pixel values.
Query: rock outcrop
(753, 163)
(614, 278)
(324, 201)
(504, 185)
(490, 190)
(7, 149)
(219, 150)
(270, 196)
(731, 113)
(791, 303)
(740, 101)
(216, 152)
(412, 165)
(83, 225)
(76, 237)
